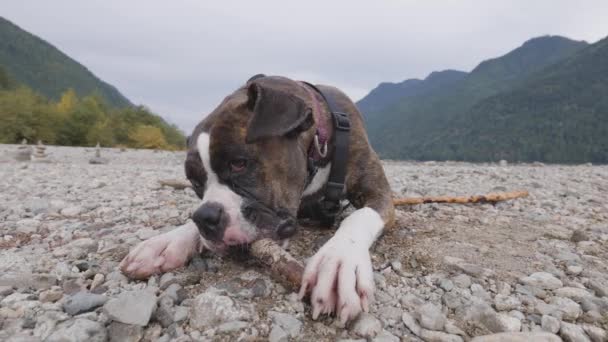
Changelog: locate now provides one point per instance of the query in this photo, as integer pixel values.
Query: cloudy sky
(180, 58)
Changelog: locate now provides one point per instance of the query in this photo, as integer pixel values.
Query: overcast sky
(181, 58)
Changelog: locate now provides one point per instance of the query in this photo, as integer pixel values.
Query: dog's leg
(339, 277)
(163, 253)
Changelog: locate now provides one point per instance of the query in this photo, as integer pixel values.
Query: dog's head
(247, 161)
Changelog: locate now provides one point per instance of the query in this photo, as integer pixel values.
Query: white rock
(550, 324)
(133, 307)
(505, 303)
(366, 325)
(289, 323)
(573, 333)
(542, 280)
(211, 309)
(573, 293)
(79, 330)
(72, 211)
(430, 317)
(518, 337)
(570, 309)
(595, 333)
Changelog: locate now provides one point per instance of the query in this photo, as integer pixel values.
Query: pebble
(572, 333)
(596, 334)
(83, 302)
(542, 280)
(385, 336)
(550, 324)
(211, 309)
(570, 309)
(287, 322)
(518, 337)
(232, 326)
(277, 334)
(72, 211)
(600, 289)
(131, 307)
(463, 281)
(120, 332)
(506, 303)
(430, 317)
(366, 325)
(446, 284)
(52, 295)
(78, 330)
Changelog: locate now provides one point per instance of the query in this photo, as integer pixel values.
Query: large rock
(518, 337)
(79, 330)
(133, 307)
(542, 280)
(210, 309)
(483, 316)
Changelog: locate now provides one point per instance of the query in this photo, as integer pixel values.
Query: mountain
(38, 64)
(559, 114)
(386, 94)
(400, 129)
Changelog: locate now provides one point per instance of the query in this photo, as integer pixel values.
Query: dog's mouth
(277, 224)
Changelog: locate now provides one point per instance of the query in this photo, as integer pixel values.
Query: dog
(260, 162)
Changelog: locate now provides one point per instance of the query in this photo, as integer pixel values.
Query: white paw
(339, 279)
(162, 253)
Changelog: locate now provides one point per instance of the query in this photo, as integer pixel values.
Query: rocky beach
(531, 269)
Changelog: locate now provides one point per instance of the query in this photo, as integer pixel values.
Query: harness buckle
(341, 121)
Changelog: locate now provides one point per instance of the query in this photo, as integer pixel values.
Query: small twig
(488, 198)
(282, 265)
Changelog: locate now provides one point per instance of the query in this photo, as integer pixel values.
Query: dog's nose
(210, 220)
(286, 229)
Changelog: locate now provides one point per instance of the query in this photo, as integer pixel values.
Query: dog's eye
(238, 165)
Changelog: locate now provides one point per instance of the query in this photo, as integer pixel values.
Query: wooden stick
(487, 198)
(175, 183)
(282, 265)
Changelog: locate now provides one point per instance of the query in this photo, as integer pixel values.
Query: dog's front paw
(339, 279)
(161, 253)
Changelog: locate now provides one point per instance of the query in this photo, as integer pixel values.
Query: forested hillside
(416, 127)
(42, 67)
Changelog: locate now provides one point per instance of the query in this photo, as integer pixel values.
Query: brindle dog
(248, 161)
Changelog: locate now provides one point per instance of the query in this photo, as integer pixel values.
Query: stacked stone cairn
(98, 159)
(24, 152)
(40, 155)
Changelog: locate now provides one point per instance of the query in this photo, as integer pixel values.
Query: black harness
(330, 203)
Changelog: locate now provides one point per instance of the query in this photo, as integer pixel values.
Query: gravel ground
(532, 269)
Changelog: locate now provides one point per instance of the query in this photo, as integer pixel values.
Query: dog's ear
(275, 113)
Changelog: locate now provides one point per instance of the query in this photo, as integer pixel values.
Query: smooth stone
(232, 326)
(83, 302)
(573, 333)
(570, 309)
(79, 330)
(596, 334)
(289, 323)
(518, 337)
(277, 334)
(120, 332)
(505, 303)
(132, 307)
(439, 336)
(550, 324)
(431, 317)
(542, 280)
(366, 325)
(210, 309)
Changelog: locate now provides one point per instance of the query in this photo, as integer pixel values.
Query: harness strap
(334, 189)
